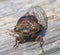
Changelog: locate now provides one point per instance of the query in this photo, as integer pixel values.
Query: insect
(28, 28)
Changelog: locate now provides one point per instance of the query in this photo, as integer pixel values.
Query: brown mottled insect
(28, 28)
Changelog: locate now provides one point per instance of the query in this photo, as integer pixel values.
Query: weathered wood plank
(10, 12)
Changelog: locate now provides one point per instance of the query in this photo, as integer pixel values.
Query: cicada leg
(16, 42)
(41, 43)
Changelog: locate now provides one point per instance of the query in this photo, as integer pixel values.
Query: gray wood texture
(11, 10)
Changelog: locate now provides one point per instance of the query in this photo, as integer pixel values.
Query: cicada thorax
(27, 26)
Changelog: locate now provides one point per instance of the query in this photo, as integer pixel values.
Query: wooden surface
(10, 11)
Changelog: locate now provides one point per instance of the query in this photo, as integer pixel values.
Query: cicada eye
(17, 29)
